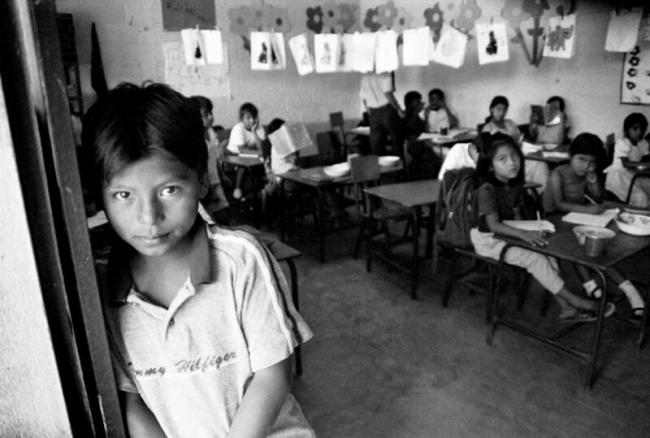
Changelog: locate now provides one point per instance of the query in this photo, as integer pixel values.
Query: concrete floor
(383, 365)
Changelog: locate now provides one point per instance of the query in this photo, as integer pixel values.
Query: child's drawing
(492, 42)
(560, 35)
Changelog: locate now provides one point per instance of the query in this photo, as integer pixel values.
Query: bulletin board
(181, 14)
(210, 80)
(635, 79)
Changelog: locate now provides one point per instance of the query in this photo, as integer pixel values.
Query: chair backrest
(365, 172)
(223, 134)
(610, 141)
(329, 147)
(336, 120)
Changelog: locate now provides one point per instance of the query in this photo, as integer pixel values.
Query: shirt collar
(118, 276)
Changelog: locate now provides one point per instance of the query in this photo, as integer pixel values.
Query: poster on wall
(347, 50)
(450, 48)
(193, 48)
(492, 42)
(623, 29)
(181, 14)
(386, 59)
(209, 80)
(635, 81)
(560, 36)
(267, 51)
(364, 54)
(415, 47)
(300, 51)
(326, 52)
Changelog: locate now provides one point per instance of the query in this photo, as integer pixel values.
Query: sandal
(637, 314)
(582, 315)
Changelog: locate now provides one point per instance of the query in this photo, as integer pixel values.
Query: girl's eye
(122, 195)
(169, 190)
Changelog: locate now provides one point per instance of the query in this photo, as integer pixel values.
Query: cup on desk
(444, 131)
(595, 243)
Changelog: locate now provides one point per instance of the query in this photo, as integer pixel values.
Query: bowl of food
(582, 231)
(388, 160)
(337, 170)
(634, 224)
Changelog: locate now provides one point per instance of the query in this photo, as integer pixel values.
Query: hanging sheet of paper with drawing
(644, 28)
(326, 47)
(209, 80)
(492, 42)
(635, 80)
(560, 36)
(364, 55)
(213, 46)
(300, 51)
(193, 48)
(450, 48)
(347, 50)
(277, 47)
(290, 138)
(623, 29)
(267, 51)
(386, 59)
(415, 46)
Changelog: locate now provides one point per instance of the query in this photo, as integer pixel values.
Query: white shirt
(241, 137)
(437, 120)
(374, 88)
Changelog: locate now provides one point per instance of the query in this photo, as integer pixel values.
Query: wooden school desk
(564, 245)
(439, 141)
(554, 157)
(413, 195)
(641, 169)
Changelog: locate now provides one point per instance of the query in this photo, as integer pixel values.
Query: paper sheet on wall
(450, 49)
(492, 42)
(326, 48)
(364, 54)
(415, 47)
(623, 29)
(193, 47)
(267, 51)
(347, 48)
(560, 36)
(207, 80)
(213, 46)
(386, 59)
(644, 29)
(300, 51)
(635, 82)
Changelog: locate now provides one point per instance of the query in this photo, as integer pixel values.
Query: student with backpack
(500, 197)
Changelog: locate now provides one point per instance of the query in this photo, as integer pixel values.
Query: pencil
(590, 199)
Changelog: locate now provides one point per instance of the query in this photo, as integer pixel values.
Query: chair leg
(357, 244)
(369, 250)
(446, 294)
(522, 291)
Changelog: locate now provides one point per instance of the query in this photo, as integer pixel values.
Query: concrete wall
(31, 398)
(590, 81)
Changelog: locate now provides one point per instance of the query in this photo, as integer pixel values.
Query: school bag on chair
(457, 210)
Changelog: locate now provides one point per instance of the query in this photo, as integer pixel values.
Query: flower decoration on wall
(332, 17)
(387, 16)
(468, 13)
(517, 12)
(244, 19)
(434, 18)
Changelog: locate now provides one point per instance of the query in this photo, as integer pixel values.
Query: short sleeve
(486, 203)
(237, 138)
(621, 149)
(271, 324)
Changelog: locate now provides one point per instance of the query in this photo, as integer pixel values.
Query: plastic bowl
(337, 170)
(634, 224)
(582, 231)
(388, 160)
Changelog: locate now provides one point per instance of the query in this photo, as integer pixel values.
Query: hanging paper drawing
(415, 48)
(450, 49)
(192, 47)
(260, 51)
(364, 59)
(347, 52)
(386, 59)
(492, 42)
(560, 36)
(247, 19)
(623, 29)
(635, 81)
(326, 48)
(524, 18)
(302, 57)
(213, 46)
(278, 51)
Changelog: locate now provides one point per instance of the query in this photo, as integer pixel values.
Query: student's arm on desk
(140, 420)
(262, 401)
(535, 238)
(554, 186)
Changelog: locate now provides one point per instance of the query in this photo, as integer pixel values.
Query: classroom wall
(590, 81)
(130, 34)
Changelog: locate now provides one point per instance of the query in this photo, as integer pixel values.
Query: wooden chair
(374, 219)
(337, 124)
(329, 148)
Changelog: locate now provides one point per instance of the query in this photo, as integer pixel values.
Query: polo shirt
(240, 137)
(191, 363)
(374, 88)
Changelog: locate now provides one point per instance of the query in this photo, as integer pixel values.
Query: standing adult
(377, 94)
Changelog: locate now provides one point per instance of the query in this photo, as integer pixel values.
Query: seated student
(246, 136)
(497, 122)
(412, 122)
(632, 147)
(500, 197)
(201, 323)
(556, 125)
(437, 114)
(424, 163)
(215, 201)
(459, 156)
(576, 187)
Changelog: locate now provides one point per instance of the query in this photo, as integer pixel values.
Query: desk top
(558, 155)
(563, 244)
(316, 177)
(454, 136)
(409, 194)
(359, 130)
(244, 161)
(639, 166)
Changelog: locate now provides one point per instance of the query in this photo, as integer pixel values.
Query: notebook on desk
(531, 225)
(596, 220)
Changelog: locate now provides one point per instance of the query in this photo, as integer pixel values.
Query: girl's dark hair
(132, 122)
(202, 103)
(274, 125)
(587, 144)
(559, 100)
(497, 100)
(490, 146)
(247, 108)
(633, 120)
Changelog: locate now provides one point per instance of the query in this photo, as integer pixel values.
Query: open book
(289, 138)
(596, 220)
(532, 225)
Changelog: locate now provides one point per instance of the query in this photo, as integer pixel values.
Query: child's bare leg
(237, 193)
(568, 302)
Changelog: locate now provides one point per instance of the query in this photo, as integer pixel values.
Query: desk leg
(493, 298)
(417, 214)
(320, 224)
(294, 296)
(598, 331)
(430, 231)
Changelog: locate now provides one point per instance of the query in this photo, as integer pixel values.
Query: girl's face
(498, 112)
(635, 133)
(583, 163)
(249, 121)
(206, 117)
(506, 163)
(152, 204)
